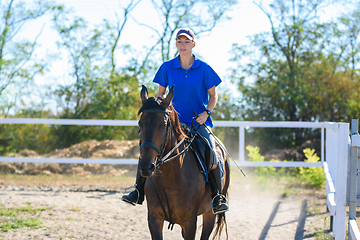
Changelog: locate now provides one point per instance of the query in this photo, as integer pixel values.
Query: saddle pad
(199, 147)
(204, 169)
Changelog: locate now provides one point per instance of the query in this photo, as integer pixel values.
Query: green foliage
(16, 137)
(311, 176)
(115, 99)
(96, 87)
(314, 176)
(302, 70)
(99, 90)
(18, 61)
(254, 155)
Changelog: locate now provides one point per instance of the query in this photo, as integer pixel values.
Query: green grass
(324, 236)
(15, 223)
(19, 217)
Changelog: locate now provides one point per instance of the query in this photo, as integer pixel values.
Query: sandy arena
(73, 214)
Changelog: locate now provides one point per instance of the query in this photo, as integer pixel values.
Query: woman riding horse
(194, 84)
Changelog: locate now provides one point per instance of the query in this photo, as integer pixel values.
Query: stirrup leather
(126, 193)
(222, 197)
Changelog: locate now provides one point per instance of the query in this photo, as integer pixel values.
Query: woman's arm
(211, 105)
(161, 91)
(213, 97)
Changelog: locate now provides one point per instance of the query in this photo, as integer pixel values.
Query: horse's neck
(172, 142)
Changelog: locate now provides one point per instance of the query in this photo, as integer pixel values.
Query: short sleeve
(211, 78)
(161, 76)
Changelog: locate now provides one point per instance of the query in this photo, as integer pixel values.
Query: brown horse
(176, 190)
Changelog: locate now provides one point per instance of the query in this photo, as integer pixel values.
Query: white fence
(335, 168)
(240, 125)
(335, 161)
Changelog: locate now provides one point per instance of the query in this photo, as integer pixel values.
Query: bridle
(160, 151)
(146, 144)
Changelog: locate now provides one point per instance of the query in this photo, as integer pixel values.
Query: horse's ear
(144, 94)
(169, 97)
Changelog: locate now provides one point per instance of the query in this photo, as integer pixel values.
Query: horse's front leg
(155, 226)
(189, 230)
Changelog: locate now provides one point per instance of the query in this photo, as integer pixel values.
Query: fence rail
(240, 124)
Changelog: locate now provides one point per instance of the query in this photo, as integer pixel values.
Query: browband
(156, 111)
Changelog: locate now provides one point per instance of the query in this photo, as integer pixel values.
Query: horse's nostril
(152, 168)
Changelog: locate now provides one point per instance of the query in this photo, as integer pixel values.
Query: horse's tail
(227, 176)
(220, 219)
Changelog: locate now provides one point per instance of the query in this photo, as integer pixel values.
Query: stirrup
(125, 193)
(222, 197)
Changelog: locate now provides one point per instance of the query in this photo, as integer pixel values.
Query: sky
(246, 19)
(214, 47)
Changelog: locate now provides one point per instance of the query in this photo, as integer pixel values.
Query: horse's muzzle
(146, 169)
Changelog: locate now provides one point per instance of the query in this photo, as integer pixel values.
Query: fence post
(353, 132)
(241, 144)
(322, 145)
(341, 181)
(352, 186)
(354, 126)
(353, 172)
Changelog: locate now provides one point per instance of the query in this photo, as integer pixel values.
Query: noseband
(147, 145)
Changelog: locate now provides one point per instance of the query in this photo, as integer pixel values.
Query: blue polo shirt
(190, 87)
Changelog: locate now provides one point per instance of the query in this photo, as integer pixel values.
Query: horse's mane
(156, 103)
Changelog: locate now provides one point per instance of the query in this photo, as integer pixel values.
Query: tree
(201, 16)
(36, 137)
(296, 67)
(18, 65)
(91, 52)
(99, 88)
(84, 51)
(351, 47)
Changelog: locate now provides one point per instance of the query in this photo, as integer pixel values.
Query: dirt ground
(86, 207)
(80, 212)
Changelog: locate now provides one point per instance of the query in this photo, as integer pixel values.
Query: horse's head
(155, 125)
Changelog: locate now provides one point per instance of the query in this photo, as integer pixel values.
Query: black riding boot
(219, 202)
(136, 196)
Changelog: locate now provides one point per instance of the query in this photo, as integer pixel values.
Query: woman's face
(184, 45)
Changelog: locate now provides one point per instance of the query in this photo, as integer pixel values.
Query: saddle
(203, 152)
